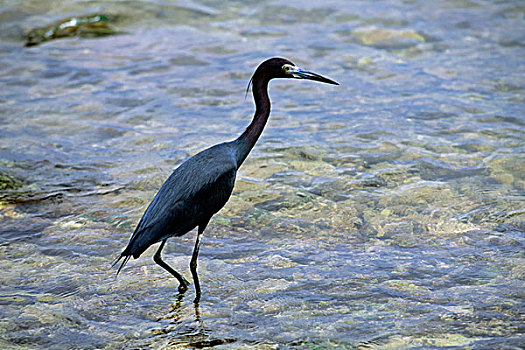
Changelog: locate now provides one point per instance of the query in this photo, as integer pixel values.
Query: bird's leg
(183, 283)
(193, 264)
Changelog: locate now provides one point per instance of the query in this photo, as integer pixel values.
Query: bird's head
(282, 68)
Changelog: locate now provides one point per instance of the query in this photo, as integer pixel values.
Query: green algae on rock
(83, 26)
(8, 182)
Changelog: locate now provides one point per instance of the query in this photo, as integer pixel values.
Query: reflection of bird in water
(175, 311)
(202, 185)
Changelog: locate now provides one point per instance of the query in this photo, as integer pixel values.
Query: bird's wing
(195, 191)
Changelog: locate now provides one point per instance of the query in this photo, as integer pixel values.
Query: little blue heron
(202, 185)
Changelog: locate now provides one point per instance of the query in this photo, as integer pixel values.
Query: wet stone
(97, 25)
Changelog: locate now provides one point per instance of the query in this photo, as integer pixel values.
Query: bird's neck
(262, 111)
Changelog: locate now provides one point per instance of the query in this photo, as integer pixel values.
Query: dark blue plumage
(195, 191)
(202, 185)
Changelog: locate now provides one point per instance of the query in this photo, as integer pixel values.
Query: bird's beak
(299, 73)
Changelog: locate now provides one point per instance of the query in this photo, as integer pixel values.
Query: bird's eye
(287, 68)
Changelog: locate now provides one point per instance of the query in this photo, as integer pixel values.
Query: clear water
(384, 213)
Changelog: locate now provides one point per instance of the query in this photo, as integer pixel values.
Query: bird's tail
(124, 262)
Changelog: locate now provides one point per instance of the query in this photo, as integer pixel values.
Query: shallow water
(387, 212)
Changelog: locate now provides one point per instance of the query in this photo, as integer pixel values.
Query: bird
(202, 184)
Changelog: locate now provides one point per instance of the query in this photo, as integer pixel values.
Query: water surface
(387, 212)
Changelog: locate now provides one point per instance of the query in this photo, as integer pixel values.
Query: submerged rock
(84, 26)
(9, 182)
(388, 38)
